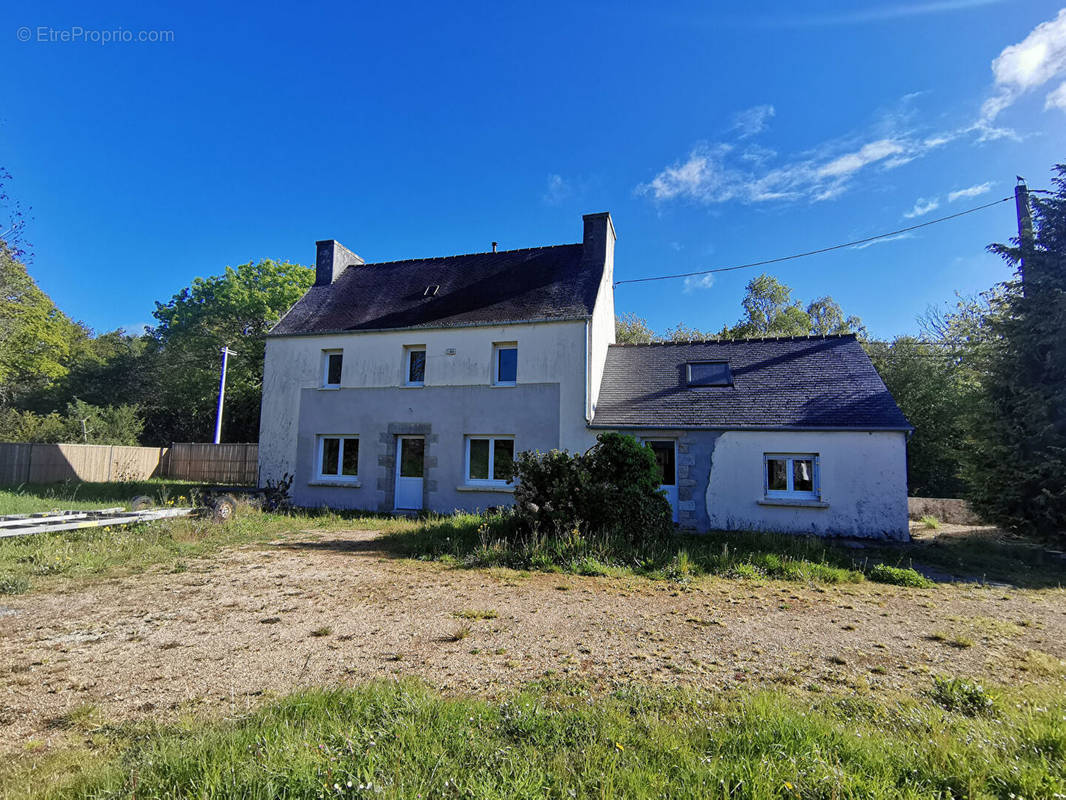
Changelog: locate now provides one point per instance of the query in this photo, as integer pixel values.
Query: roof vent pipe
(494, 246)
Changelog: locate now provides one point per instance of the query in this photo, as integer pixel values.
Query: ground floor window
(489, 458)
(338, 458)
(791, 475)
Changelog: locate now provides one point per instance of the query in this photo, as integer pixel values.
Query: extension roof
(538, 283)
(797, 382)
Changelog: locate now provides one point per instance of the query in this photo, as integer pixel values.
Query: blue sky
(714, 137)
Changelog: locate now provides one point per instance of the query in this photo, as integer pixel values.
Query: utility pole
(1025, 227)
(226, 353)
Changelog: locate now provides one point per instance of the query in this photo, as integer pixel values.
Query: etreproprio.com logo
(76, 34)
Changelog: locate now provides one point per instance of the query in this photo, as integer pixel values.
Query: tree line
(984, 384)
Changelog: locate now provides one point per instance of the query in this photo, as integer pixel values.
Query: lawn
(403, 740)
(29, 498)
(476, 541)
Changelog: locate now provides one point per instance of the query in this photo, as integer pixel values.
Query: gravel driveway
(333, 609)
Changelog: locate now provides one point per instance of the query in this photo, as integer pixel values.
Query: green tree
(1016, 461)
(37, 340)
(683, 333)
(82, 423)
(827, 318)
(182, 362)
(927, 384)
(631, 329)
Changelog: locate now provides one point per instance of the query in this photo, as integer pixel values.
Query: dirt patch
(332, 609)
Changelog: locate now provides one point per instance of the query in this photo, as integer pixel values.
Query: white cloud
(1027, 65)
(696, 282)
(969, 191)
(719, 172)
(1056, 98)
(752, 120)
(877, 14)
(135, 328)
(922, 206)
(885, 240)
(557, 191)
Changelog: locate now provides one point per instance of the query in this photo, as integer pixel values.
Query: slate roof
(538, 283)
(809, 382)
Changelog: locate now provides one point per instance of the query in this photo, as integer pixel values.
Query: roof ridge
(464, 255)
(739, 341)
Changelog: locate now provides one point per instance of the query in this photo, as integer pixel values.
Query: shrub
(613, 490)
(898, 576)
(966, 697)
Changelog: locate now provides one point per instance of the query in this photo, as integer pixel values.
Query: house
(410, 385)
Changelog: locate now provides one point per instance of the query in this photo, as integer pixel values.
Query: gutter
(726, 428)
(582, 318)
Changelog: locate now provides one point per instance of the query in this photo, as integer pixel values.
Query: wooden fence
(216, 463)
(51, 463)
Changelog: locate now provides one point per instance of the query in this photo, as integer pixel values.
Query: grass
(393, 740)
(30, 498)
(471, 540)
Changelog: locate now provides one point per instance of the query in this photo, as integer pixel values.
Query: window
(415, 366)
(792, 475)
(332, 360)
(488, 459)
(709, 373)
(505, 364)
(338, 458)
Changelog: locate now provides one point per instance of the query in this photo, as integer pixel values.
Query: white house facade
(410, 385)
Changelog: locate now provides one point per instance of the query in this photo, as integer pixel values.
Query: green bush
(898, 576)
(965, 697)
(613, 491)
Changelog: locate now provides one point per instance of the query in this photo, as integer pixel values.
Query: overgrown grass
(476, 541)
(404, 741)
(472, 540)
(37, 560)
(30, 498)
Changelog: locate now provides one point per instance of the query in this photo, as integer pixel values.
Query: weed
(460, 633)
(930, 523)
(898, 576)
(477, 613)
(325, 630)
(14, 584)
(965, 697)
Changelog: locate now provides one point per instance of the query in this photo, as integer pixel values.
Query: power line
(818, 251)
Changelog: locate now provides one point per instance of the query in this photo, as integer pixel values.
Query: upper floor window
(332, 361)
(415, 366)
(709, 373)
(489, 459)
(338, 458)
(792, 475)
(505, 363)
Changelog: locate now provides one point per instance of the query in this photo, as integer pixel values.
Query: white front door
(410, 452)
(666, 454)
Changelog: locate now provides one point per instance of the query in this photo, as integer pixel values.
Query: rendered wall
(863, 482)
(548, 353)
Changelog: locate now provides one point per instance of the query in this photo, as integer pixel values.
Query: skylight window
(709, 373)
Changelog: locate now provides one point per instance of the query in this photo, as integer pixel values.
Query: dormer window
(332, 361)
(709, 373)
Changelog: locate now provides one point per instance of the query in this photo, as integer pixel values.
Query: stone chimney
(333, 258)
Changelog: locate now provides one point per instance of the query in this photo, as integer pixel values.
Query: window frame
(408, 350)
(492, 439)
(790, 492)
(320, 445)
(688, 374)
(326, 355)
(497, 349)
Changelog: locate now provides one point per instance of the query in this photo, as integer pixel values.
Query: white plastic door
(410, 452)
